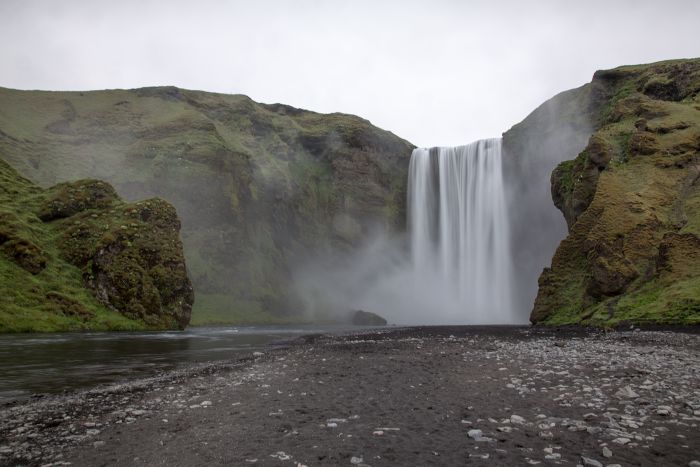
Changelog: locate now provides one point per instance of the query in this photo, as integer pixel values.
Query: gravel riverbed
(410, 396)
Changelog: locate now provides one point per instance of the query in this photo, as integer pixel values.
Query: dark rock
(611, 271)
(366, 318)
(642, 144)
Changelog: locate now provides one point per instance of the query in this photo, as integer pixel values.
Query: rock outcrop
(75, 256)
(366, 318)
(259, 188)
(631, 200)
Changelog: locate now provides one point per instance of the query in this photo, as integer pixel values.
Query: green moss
(228, 164)
(633, 255)
(43, 280)
(214, 309)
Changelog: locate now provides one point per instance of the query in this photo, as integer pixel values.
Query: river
(33, 364)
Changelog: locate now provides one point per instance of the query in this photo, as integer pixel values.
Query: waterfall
(459, 232)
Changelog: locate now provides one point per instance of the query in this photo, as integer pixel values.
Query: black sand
(403, 397)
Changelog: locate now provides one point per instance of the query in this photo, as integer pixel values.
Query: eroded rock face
(132, 258)
(632, 204)
(73, 252)
(574, 182)
(611, 272)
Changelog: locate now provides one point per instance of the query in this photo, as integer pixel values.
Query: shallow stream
(50, 363)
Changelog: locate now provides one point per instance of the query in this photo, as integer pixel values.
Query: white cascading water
(459, 232)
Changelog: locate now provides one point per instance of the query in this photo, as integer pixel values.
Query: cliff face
(631, 200)
(75, 257)
(554, 132)
(258, 187)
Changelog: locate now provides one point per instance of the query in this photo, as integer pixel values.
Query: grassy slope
(632, 199)
(27, 303)
(257, 186)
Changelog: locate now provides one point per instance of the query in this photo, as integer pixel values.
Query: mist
(379, 277)
(397, 277)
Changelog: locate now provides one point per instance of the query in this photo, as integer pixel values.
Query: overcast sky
(433, 72)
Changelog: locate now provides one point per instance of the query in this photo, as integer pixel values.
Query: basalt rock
(366, 318)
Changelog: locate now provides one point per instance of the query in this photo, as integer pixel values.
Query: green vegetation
(632, 203)
(222, 309)
(258, 188)
(62, 251)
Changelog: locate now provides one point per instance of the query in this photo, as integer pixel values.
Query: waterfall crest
(459, 231)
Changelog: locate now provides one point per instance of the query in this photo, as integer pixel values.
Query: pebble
(588, 462)
(356, 460)
(281, 455)
(475, 434)
(621, 441)
(517, 419)
(98, 444)
(627, 392)
(602, 404)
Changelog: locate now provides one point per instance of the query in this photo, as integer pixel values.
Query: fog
(411, 279)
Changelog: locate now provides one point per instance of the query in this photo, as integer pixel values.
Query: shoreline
(458, 391)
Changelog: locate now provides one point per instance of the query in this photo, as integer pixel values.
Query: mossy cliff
(259, 188)
(631, 200)
(76, 257)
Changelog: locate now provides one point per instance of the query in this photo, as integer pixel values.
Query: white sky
(433, 72)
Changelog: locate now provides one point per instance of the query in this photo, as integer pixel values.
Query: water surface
(50, 363)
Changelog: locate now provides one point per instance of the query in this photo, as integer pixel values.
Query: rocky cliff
(75, 257)
(631, 200)
(259, 188)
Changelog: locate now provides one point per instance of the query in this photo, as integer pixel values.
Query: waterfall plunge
(459, 232)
